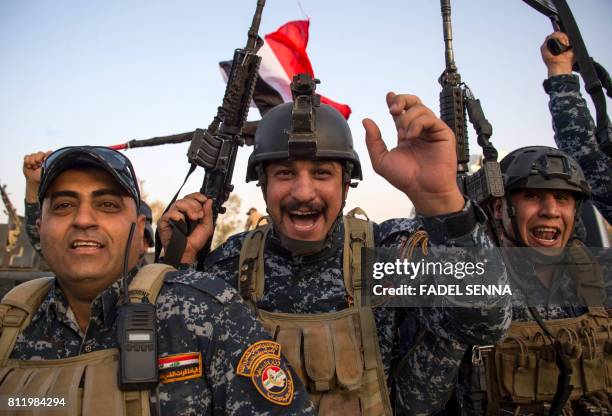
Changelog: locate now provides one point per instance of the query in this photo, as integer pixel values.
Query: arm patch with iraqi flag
(263, 364)
(179, 367)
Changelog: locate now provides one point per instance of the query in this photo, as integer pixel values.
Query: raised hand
(558, 64)
(423, 165)
(32, 165)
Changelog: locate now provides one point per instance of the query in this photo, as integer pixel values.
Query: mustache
(292, 204)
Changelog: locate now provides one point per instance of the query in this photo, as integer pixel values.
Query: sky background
(105, 72)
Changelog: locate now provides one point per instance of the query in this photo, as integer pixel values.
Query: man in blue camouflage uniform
(574, 134)
(304, 251)
(573, 125)
(89, 197)
(544, 189)
(558, 299)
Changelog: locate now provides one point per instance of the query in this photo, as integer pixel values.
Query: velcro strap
(14, 318)
(450, 226)
(250, 265)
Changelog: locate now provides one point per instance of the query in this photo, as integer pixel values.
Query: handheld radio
(137, 336)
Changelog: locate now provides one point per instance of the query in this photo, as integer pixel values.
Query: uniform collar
(332, 242)
(103, 308)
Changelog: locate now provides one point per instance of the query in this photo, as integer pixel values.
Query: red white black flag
(283, 55)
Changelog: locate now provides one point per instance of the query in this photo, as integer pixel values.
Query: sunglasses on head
(116, 160)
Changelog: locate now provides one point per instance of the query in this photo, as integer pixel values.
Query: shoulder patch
(179, 367)
(204, 282)
(272, 379)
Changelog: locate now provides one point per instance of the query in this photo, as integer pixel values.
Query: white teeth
(303, 213)
(77, 244)
(546, 233)
(545, 229)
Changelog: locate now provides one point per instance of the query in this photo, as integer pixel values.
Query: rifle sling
(564, 389)
(178, 241)
(591, 81)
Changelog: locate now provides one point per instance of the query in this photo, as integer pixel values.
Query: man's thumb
(376, 146)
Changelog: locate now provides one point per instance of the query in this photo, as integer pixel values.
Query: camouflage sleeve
(240, 331)
(431, 342)
(386, 329)
(480, 324)
(426, 376)
(32, 212)
(242, 374)
(575, 134)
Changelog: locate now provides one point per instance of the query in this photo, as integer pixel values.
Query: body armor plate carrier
(521, 371)
(336, 354)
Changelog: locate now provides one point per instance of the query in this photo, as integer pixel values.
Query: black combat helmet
(544, 168)
(304, 129)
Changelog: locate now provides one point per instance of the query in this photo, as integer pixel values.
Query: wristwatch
(451, 226)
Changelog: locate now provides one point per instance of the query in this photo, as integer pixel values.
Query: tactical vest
(520, 372)
(335, 354)
(88, 383)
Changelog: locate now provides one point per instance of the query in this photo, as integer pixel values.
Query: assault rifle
(595, 76)
(13, 219)
(456, 99)
(215, 148)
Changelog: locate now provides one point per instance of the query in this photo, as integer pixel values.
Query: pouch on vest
(99, 394)
(336, 353)
(323, 348)
(547, 370)
(593, 367)
(572, 349)
(518, 372)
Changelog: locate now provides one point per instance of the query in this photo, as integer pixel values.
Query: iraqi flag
(283, 55)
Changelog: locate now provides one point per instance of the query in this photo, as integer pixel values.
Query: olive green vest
(336, 354)
(521, 371)
(88, 383)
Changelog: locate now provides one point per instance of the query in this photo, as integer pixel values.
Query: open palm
(423, 164)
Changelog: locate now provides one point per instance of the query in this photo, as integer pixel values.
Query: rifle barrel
(449, 55)
(254, 29)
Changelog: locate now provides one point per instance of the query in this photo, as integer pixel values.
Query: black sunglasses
(117, 161)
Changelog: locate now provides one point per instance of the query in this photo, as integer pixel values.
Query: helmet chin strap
(511, 212)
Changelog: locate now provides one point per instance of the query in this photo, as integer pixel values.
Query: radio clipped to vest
(88, 382)
(136, 331)
(136, 334)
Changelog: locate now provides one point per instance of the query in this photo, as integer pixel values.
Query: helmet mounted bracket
(302, 135)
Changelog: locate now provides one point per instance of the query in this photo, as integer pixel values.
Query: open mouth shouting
(545, 236)
(304, 221)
